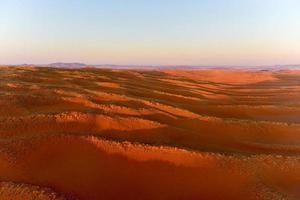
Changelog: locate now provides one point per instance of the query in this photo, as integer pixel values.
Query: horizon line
(152, 65)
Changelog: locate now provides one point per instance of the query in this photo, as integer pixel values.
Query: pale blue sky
(194, 32)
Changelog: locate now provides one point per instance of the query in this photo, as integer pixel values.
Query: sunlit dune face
(227, 76)
(109, 85)
(12, 85)
(92, 134)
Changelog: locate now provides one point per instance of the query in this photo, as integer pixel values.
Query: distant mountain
(172, 67)
(66, 65)
(293, 66)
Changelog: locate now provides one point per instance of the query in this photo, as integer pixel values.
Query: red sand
(126, 134)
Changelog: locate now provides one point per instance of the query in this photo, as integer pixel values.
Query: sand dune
(92, 134)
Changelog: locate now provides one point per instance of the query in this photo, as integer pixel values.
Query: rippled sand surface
(92, 134)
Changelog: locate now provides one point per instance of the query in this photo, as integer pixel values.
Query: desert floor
(100, 134)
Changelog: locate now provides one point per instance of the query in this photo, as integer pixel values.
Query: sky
(150, 32)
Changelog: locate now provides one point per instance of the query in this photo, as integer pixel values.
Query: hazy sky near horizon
(150, 32)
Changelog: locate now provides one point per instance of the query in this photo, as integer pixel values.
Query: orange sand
(92, 134)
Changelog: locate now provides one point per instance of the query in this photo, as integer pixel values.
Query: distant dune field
(110, 134)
